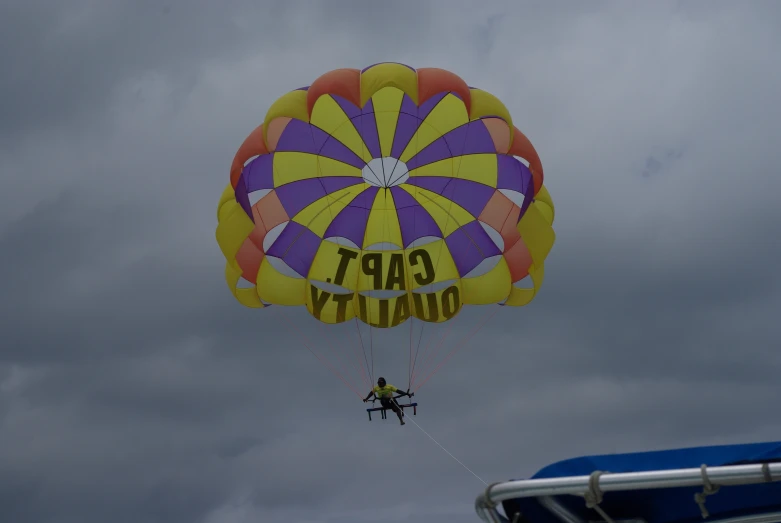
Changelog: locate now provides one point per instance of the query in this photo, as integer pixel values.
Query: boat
(713, 484)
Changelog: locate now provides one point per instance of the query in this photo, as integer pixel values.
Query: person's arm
(368, 396)
(400, 392)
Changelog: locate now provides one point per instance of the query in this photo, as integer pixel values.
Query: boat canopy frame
(551, 492)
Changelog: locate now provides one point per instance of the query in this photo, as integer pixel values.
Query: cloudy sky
(134, 388)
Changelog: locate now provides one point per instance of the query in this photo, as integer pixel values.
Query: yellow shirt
(384, 392)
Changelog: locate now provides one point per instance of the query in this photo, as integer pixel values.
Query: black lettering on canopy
(395, 272)
(318, 302)
(433, 308)
(383, 319)
(362, 308)
(401, 311)
(450, 294)
(341, 306)
(371, 264)
(363, 312)
(346, 257)
(422, 256)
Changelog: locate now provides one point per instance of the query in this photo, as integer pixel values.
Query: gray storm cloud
(134, 388)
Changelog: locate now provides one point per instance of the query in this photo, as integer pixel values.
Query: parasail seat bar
(743, 485)
(413, 405)
(402, 405)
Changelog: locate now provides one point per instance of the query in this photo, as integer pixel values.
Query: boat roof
(655, 487)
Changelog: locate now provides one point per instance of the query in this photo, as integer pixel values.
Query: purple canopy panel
(414, 221)
(472, 196)
(469, 245)
(470, 138)
(296, 196)
(296, 246)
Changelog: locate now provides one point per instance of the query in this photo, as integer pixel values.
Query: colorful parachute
(383, 194)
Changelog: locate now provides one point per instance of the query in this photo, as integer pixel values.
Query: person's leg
(392, 405)
(398, 411)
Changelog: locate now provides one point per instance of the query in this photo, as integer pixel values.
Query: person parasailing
(384, 392)
(304, 221)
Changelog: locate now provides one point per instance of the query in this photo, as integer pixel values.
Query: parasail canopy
(385, 194)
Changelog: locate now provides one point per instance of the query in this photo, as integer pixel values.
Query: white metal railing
(591, 488)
